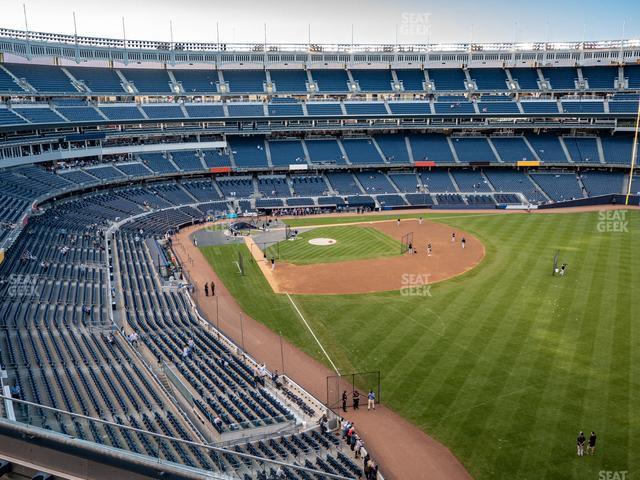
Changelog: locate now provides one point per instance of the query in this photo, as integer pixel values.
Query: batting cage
(361, 382)
(405, 242)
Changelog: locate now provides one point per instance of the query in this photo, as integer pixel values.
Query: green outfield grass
(505, 363)
(353, 243)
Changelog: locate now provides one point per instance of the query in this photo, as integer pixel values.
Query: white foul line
(314, 335)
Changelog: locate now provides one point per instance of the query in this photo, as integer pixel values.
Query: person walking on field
(428, 249)
(453, 237)
(344, 401)
(581, 440)
(371, 400)
(591, 446)
(213, 289)
(206, 289)
(273, 264)
(356, 400)
(463, 242)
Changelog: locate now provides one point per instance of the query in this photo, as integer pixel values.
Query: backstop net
(405, 242)
(361, 382)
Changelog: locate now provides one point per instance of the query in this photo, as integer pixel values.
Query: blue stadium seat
(431, 147)
(147, 80)
(98, 80)
(473, 149)
(44, 78)
(289, 81)
(527, 78)
(412, 79)
(197, 80)
(373, 80)
(448, 79)
(245, 81)
(331, 81)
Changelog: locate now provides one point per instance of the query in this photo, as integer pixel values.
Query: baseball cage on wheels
(405, 242)
(362, 382)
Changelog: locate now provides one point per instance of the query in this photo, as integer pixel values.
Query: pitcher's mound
(322, 241)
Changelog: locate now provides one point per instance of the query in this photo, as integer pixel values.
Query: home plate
(322, 241)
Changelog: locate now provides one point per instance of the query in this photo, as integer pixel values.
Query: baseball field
(503, 364)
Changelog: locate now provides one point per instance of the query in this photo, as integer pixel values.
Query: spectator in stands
(356, 400)
(192, 344)
(371, 400)
(358, 446)
(323, 422)
(185, 352)
(344, 401)
(352, 440)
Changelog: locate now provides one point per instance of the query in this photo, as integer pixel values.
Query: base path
(402, 450)
(448, 259)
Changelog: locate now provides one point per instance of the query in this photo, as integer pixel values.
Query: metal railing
(312, 48)
(38, 416)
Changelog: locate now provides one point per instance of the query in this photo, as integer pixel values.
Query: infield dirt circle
(448, 259)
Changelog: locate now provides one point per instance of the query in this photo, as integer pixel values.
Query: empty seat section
(289, 81)
(148, 80)
(489, 78)
(98, 80)
(512, 149)
(513, 181)
(408, 108)
(600, 78)
(582, 149)
(129, 112)
(448, 79)
(209, 110)
(471, 181)
(559, 186)
(373, 80)
(161, 112)
(237, 109)
(309, 185)
(285, 110)
(40, 115)
(539, 106)
(245, 81)
(81, 114)
(328, 109)
(437, 181)
(44, 78)
(586, 106)
(406, 182)
(361, 151)
(473, 149)
(325, 151)
(216, 158)
(412, 79)
(186, 160)
(197, 80)
(561, 78)
(286, 152)
(344, 183)
(249, 152)
(602, 183)
(375, 183)
(331, 81)
(365, 108)
(548, 148)
(157, 163)
(617, 149)
(394, 148)
(432, 147)
(527, 78)
(274, 187)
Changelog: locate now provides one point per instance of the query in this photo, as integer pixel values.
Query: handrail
(173, 439)
(311, 48)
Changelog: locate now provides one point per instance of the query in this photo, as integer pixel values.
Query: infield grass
(352, 243)
(504, 364)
